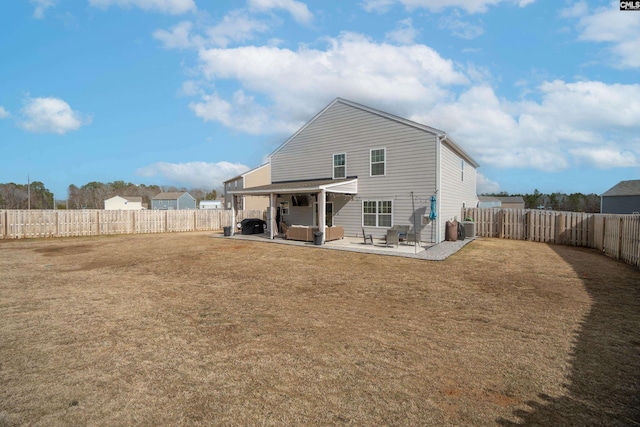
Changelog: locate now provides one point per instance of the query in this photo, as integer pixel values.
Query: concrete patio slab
(426, 251)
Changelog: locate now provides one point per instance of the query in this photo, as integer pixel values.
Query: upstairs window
(462, 170)
(339, 166)
(378, 162)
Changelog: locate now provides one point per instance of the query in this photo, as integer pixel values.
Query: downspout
(439, 191)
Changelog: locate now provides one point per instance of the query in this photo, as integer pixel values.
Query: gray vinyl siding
(620, 204)
(410, 165)
(454, 192)
(186, 201)
(236, 184)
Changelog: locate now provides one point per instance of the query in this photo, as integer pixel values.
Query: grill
(253, 226)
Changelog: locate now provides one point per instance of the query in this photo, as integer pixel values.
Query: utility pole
(28, 192)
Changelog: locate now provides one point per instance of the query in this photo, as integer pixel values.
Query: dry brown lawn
(185, 329)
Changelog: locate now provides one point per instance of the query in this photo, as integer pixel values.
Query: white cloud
(51, 115)
(619, 30)
(404, 34)
(577, 9)
(193, 174)
(607, 157)
(469, 6)
(298, 10)
(172, 7)
(3, 113)
(298, 83)
(241, 112)
(41, 6)
(235, 27)
(486, 186)
(379, 6)
(178, 38)
(460, 28)
(568, 126)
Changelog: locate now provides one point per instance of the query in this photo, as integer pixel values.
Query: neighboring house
(173, 200)
(210, 204)
(511, 202)
(622, 198)
(253, 178)
(124, 202)
(504, 202)
(358, 167)
(488, 202)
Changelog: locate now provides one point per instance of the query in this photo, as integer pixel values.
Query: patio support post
(322, 213)
(233, 215)
(272, 219)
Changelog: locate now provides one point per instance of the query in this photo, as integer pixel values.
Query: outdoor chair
(392, 237)
(403, 232)
(366, 237)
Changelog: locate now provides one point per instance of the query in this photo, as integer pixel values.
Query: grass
(183, 329)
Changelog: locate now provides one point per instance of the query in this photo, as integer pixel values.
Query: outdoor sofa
(305, 233)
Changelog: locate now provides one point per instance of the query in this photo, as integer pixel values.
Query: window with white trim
(339, 166)
(284, 208)
(377, 213)
(462, 170)
(378, 162)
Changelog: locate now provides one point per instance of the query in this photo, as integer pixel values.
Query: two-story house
(173, 200)
(252, 178)
(361, 168)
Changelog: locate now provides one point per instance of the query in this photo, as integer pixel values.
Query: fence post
(501, 224)
(620, 238)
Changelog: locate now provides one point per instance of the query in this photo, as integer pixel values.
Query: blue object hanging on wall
(433, 214)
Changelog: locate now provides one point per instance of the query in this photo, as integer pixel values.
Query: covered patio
(317, 188)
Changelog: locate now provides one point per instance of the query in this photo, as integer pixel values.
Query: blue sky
(543, 94)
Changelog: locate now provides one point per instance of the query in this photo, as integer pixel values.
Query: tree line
(574, 202)
(89, 196)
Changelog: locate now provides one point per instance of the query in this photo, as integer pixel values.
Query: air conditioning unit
(469, 229)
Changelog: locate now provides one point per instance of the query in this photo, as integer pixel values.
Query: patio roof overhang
(321, 186)
(344, 186)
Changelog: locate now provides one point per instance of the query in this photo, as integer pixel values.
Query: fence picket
(21, 224)
(618, 236)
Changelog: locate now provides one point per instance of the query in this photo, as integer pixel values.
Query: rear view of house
(363, 169)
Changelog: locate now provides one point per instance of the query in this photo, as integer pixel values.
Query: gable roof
(624, 188)
(170, 195)
(437, 132)
(510, 199)
(242, 175)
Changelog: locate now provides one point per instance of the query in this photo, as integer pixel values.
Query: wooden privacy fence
(616, 235)
(21, 224)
